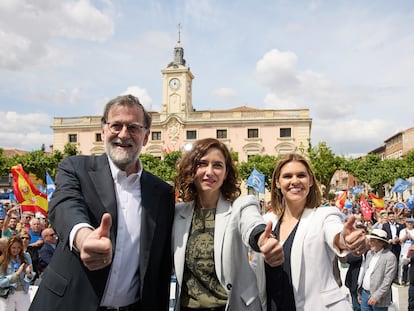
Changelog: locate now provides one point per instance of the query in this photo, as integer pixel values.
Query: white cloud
(290, 88)
(358, 135)
(79, 19)
(27, 27)
(277, 70)
(142, 95)
(24, 131)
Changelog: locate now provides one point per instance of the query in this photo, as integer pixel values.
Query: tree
(4, 167)
(149, 162)
(70, 150)
(166, 169)
(374, 171)
(324, 164)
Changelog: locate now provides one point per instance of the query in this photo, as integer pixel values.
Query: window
(285, 132)
(73, 138)
(221, 134)
(155, 135)
(252, 133)
(98, 137)
(191, 134)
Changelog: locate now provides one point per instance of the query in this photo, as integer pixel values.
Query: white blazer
(312, 254)
(233, 225)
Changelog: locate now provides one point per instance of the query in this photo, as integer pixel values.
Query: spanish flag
(29, 197)
(376, 201)
(340, 200)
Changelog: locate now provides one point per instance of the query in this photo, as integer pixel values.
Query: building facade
(247, 131)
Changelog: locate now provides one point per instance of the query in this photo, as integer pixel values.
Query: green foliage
(37, 162)
(234, 156)
(376, 172)
(324, 164)
(166, 169)
(70, 150)
(149, 162)
(370, 169)
(4, 168)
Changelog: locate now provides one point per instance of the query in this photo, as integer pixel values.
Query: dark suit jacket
(45, 255)
(395, 248)
(351, 278)
(84, 192)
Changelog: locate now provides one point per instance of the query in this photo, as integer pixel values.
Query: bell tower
(177, 83)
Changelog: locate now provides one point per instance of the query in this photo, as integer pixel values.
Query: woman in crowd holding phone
(16, 274)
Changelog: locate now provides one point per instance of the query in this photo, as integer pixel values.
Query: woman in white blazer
(213, 229)
(311, 237)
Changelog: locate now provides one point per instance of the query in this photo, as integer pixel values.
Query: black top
(279, 287)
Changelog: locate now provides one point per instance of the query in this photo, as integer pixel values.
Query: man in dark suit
(351, 278)
(393, 229)
(113, 221)
(48, 248)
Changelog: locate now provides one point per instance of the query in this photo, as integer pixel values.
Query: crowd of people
(392, 236)
(23, 255)
(123, 233)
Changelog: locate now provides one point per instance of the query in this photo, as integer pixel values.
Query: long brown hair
(314, 197)
(7, 253)
(184, 182)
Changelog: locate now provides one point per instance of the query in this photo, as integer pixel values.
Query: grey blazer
(382, 276)
(233, 225)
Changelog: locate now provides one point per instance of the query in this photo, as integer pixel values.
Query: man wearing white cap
(380, 268)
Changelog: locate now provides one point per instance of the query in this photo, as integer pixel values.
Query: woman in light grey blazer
(213, 228)
(311, 236)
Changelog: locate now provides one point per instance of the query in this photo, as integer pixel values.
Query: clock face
(174, 83)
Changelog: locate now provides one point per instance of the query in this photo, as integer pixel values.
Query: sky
(349, 62)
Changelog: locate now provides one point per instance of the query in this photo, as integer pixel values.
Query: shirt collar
(115, 171)
(377, 253)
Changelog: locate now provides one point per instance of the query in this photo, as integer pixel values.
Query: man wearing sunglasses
(48, 248)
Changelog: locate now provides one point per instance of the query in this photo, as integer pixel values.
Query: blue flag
(401, 185)
(2, 212)
(256, 180)
(410, 202)
(50, 186)
(12, 197)
(356, 189)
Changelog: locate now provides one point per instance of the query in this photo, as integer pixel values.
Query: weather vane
(179, 32)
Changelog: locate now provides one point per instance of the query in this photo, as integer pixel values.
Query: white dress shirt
(123, 281)
(366, 283)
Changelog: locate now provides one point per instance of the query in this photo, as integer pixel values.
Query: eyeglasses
(132, 128)
(25, 238)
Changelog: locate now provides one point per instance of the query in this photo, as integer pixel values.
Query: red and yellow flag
(376, 201)
(29, 197)
(340, 200)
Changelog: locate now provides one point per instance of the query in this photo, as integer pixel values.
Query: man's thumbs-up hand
(95, 246)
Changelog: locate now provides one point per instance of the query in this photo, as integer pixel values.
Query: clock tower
(177, 85)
